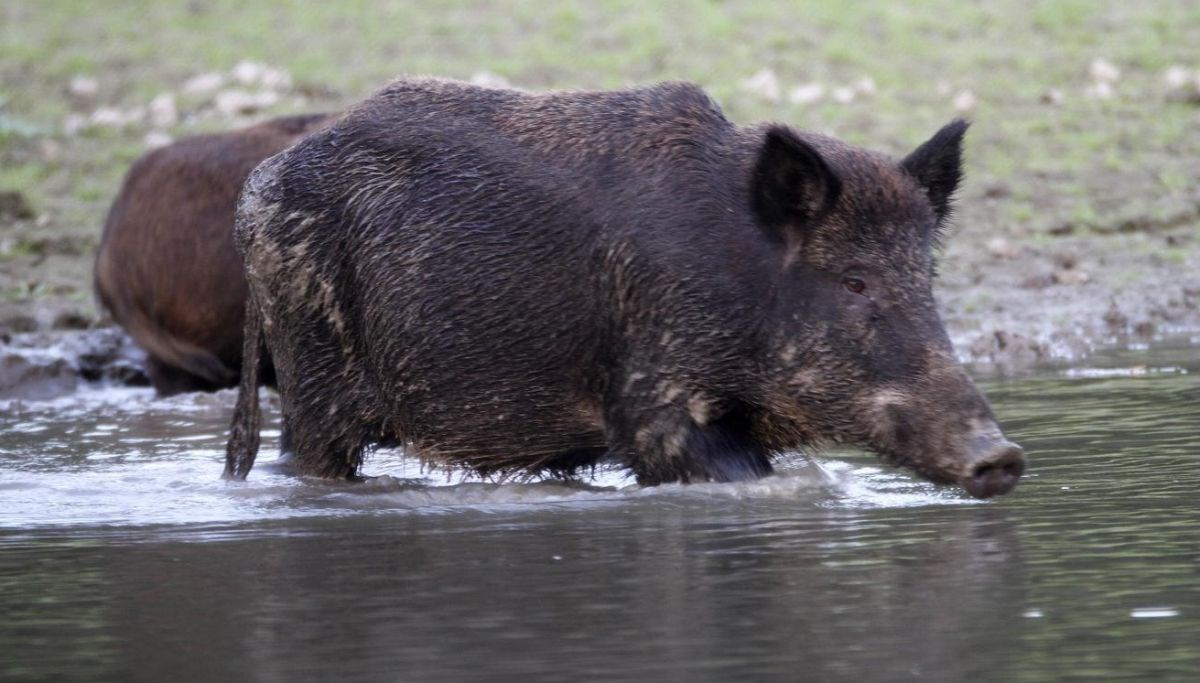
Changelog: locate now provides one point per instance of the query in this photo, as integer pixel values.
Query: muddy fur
(515, 282)
(167, 270)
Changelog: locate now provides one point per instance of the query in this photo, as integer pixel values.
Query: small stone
(203, 84)
(964, 101)
(157, 138)
(764, 84)
(1177, 77)
(1070, 277)
(14, 205)
(256, 73)
(1183, 85)
(1037, 282)
(843, 95)
(18, 323)
(34, 376)
(275, 79)
(162, 110)
(1103, 71)
(1066, 260)
(1008, 348)
(49, 150)
(239, 102)
(997, 190)
(1000, 248)
(83, 87)
(1053, 97)
(106, 354)
(1114, 318)
(1100, 90)
(487, 79)
(806, 93)
(248, 73)
(71, 320)
(107, 116)
(864, 87)
(73, 123)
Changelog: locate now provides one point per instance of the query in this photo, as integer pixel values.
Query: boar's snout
(995, 465)
(947, 435)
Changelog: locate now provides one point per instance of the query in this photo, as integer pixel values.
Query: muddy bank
(39, 366)
(1018, 301)
(1009, 302)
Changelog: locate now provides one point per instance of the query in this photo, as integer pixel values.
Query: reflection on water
(123, 556)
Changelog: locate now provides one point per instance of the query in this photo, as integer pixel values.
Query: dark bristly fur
(167, 269)
(523, 283)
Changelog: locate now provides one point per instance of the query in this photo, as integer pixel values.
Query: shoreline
(45, 365)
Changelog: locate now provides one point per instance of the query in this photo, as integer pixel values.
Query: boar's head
(856, 351)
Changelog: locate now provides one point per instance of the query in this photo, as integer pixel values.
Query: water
(123, 557)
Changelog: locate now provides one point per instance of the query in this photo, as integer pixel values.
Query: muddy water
(123, 557)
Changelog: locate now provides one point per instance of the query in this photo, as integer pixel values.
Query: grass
(1084, 160)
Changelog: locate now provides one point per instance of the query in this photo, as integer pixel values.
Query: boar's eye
(854, 284)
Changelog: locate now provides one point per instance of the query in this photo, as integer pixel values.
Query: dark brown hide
(167, 270)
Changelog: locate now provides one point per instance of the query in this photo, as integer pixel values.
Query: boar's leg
(325, 439)
(331, 411)
(287, 450)
(672, 447)
(723, 451)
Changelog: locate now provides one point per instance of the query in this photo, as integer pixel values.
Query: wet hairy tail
(247, 418)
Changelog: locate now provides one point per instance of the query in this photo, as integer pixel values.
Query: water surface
(123, 557)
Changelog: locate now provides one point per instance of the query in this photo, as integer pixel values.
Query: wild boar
(534, 283)
(167, 270)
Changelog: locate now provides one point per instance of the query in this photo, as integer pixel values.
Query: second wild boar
(167, 270)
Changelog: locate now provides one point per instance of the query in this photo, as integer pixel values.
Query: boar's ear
(937, 166)
(792, 184)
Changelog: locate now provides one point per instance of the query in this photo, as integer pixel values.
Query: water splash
(115, 456)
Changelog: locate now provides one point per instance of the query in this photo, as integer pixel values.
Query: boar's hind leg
(317, 441)
(330, 410)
